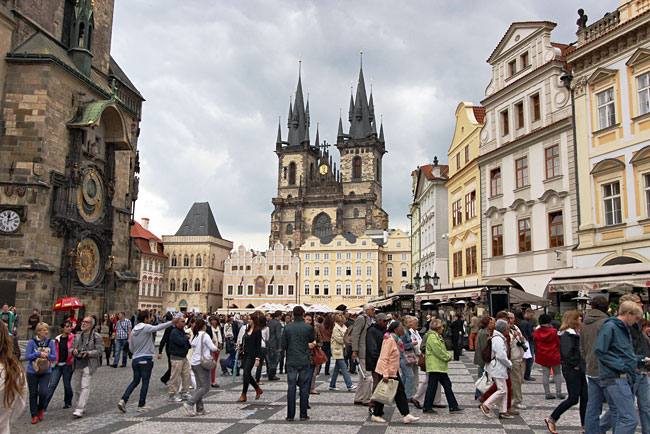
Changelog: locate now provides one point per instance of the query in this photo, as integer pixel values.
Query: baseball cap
(381, 317)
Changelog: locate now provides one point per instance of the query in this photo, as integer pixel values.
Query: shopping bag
(385, 392)
(484, 382)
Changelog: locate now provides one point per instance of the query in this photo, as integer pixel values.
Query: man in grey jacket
(273, 345)
(141, 343)
(358, 338)
(87, 348)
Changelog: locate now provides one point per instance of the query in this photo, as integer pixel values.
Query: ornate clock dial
(9, 221)
(88, 262)
(90, 199)
(323, 169)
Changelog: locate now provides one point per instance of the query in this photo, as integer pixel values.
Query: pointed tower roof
(199, 221)
(279, 139)
(317, 142)
(360, 124)
(299, 122)
(381, 133)
(340, 133)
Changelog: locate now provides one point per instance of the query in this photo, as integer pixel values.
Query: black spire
(381, 133)
(340, 133)
(360, 122)
(299, 122)
(278, 141)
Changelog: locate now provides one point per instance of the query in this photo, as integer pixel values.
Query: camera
(522, 345)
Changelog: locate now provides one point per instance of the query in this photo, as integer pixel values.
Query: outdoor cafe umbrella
(67, 303)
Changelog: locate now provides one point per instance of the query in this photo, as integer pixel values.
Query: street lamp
(228, 299)
(417, 279)
(427, 277)
(436, 279)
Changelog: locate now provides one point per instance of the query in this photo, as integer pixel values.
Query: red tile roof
(428, 171)
(479, 114)
(514, 24)
(143, 245)
(137, 231)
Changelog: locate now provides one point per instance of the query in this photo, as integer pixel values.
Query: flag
(271, 282)
(242, 280)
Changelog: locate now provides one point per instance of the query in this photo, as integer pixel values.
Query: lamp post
(436, 279)
(416, 280)
(427, 277)
(228, 299)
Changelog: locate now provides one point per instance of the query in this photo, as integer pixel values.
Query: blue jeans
(339, 364)
(141, 371)
(407, 378)
(642, 392)
(621, 405)
(529, 363)
(298, 376)
(119, 346)
(481, 369)
(37, 392)
(58, 371)
(327, 348)
(597, 396)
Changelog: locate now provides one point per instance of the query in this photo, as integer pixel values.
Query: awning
(383, 302)
(473, 293)
(517, 296)
(611, 277)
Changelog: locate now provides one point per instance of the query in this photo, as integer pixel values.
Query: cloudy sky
(218, 74)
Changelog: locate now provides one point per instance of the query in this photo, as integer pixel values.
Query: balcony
(599, 28)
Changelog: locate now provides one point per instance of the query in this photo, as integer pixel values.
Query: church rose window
(322, 225)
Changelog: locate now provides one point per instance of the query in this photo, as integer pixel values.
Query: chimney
(145, 223)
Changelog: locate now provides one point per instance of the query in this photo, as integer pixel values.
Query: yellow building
(611, 83)
(395, 262)
(463, 187)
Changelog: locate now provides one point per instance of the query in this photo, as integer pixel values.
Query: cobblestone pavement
(331, 411)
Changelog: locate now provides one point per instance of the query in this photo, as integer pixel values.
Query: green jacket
(437, 356)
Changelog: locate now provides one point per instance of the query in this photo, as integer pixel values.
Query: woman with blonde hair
(573, 369)
(13, 383)
(40, 354)
(338, 353)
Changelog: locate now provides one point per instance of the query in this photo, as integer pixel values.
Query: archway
(620, 260)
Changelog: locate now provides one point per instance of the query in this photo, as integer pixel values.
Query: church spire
(279, 139)
(81, 35)
(340, 133)
(360, 123)
(299, 124)
(381, 132)
(317, 142)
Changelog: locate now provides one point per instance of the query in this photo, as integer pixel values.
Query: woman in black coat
(251, 354)
(573, 369)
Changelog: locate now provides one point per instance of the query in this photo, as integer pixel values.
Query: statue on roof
(582, 19)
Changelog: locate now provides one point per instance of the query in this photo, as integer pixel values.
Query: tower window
(292, 173)
(356, 168)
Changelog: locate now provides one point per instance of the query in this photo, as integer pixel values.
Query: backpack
(347, 338)
(41, 365)
(486, 352)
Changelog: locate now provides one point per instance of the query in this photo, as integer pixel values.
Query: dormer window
(512, 68)
(524, 60)
(153, 246)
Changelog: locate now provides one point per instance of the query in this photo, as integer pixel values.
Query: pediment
(640, 56)
(548, 194)
(642, 156)
(516, 34)
(607, 165)
(493, 210)
(518, 203)
(601, 74)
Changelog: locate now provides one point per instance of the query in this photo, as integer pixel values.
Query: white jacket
(499, 365)
(208, 348)
(8, 416)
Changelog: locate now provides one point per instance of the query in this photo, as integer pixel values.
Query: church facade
(315, 198)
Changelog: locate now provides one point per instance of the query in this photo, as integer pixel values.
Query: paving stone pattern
(331, 411)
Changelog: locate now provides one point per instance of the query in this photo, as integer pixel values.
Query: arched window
(184, 285)
(311, 171)
(356, 168)
(289, 244)
(289, 229)
(186, 261)
(198, 260)
(174, 261)
(172, 285)
(322, 225)
(292, 173)
(197, 285)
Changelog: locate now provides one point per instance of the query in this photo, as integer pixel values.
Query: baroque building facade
(314, 197)
(69, 126)
(464, 195)
(252, 279)
(394, 262)
(195, 271)
(527, 170)
(150, 261)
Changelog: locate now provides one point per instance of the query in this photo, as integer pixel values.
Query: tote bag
(484, 382)
(385, 392)
(206, 363)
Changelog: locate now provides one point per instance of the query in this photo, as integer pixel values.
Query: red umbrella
(67, 303)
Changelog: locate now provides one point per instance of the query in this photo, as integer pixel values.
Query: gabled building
(150, 260)
(429, 218)
(464, 195)
(526, 162)
(197, 255)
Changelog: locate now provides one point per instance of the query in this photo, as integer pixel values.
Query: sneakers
(185, 396)
(521, 406)
(189, 409)
(78, 414)
(505, 416)
(378, 419)
(143, 409)
(174, 399)
(352, 388)
(334, 388)
(121, 406)
(410, 418)
(202, 412)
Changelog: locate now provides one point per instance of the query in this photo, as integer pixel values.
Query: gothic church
(316, 198)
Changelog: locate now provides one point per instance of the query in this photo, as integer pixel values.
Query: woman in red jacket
(547, 354)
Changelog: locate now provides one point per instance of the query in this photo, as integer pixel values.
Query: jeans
(327, 348)
(58, 371)
(557, 377)
(37, 392)
(141, 371)
(445, 382)
(119, 348)
(621, 404)
(168, 372)
(477, 393)
(597, 395)
(576, 384)
(298, 375)
(339, 364)
(400, 400)
(642, 392)
(530, 362)
(202, 377)
(247, 367)
(407, 378)
(272, 356)
(258, 371)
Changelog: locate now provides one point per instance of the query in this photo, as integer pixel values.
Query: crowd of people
(601, 358)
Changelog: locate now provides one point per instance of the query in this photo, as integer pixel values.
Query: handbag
(385, 392)
(422, 361)
(409, 358)
(41, 365)
(319, 356)
(206, 363)
(484, 382)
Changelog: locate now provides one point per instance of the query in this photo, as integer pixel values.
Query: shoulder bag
(319, 356)
(484, 382)
(410, 358)
(206, 363)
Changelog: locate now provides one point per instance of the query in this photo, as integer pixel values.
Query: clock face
(323, 169)
(90, 198)
(9, 221)
(88, 262)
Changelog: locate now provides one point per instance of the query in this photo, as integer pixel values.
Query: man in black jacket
(457, 335)
(374, 339)
(272, 346)
(527, 328)
(178, 346)
(164, 344)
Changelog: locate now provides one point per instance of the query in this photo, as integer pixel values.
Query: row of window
(513, 68)
(316, 288)
(551, 165)
(150, 290)
(270, 290)
(470, 209)
(278, 267)
(153, 266)
(520, 121)
(356, 170)
(607, 108)
(466, 157)
(471, 263)
(185, 285)
(187, 260)
(348, 255)
(555, 234)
